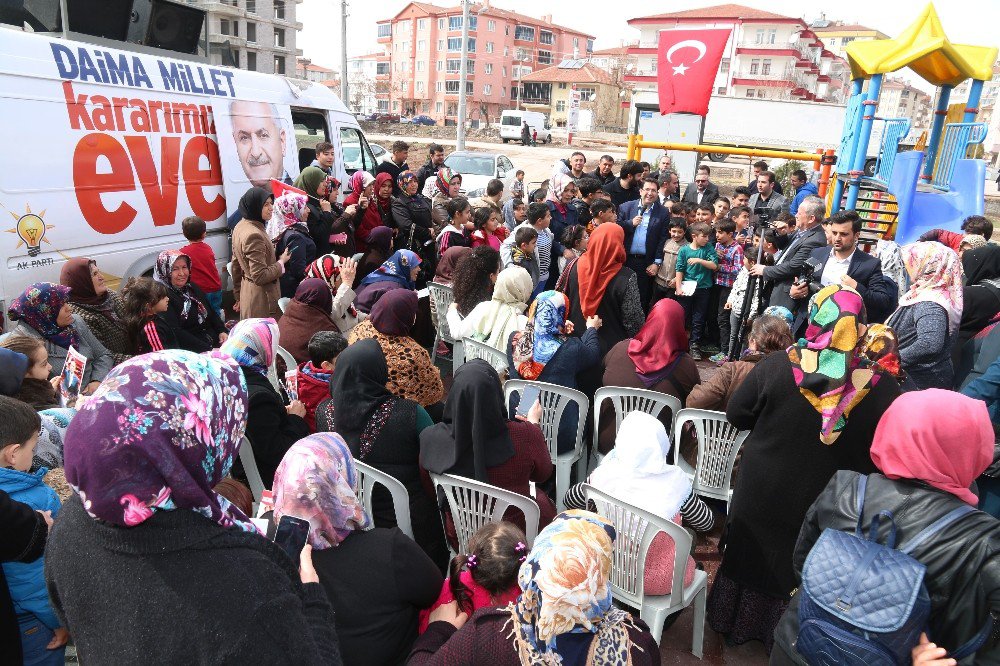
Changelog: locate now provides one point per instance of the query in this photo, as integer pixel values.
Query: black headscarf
(980, 264)
(357, 389)
(473, 435)
(252, 204)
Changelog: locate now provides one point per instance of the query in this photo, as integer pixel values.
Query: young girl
(486, 221)
(575, 237)
(36, 388)
(487, 574)
(453, 234)
(145, 301)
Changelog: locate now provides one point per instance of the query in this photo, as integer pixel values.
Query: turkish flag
(686, 65)
(278, 188)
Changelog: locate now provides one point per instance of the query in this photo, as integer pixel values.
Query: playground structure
(914, 191)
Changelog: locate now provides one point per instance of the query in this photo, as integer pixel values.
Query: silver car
(479, 168)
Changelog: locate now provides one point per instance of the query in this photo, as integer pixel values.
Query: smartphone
(528, 398)
(291, 536)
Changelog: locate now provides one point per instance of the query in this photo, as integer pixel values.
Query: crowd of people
(127, 516)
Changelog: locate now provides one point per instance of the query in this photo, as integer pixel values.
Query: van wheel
(548, 139)
(504, 140)
(870, 167)
(717, 157)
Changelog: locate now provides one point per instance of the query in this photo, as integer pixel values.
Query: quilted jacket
(963, 560)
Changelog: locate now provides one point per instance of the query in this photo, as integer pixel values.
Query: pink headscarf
(941, 437)
(287, 213)
(935, 277)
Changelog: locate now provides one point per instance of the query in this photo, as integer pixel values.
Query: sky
(965, 22)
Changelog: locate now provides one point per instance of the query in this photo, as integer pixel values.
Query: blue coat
(557, 226)
(656, 234)
(27, 581)
(806, 190)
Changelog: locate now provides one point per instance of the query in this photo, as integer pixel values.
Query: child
(486, 222)
(524, 253)
(730, 260)
(721, 207)
(741, 217)
(459, 216)
(36, 388)
(741, 195)
(520, 210)
(734, 303)
(704, 214)
(487, 574)
(517, 187)
(602, 211)
(970, 242)
(668, 269)
(43, 638)
(145, 302)
(690, 211)
(575, 237)
(314, 375)
(204, 272)
(696, 262)
(540, 217)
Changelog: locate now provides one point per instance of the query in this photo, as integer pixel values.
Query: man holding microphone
(645, 223)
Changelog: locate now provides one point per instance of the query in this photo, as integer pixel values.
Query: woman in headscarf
(562, 190)
(448, 184)
(889, 254)
(564, 614)
(365, 217)
(981, 295)
(194, 577)
(329, 223)
(929, 313)
(100, 308)
(656, 359)
(475, 439)
(306, 314)
(444, 273)
(288, 231)
(495, 320)
(397, 272)
(411, 373)
(810, 412)
(383, 430)
(380, 247)
(272, 426)
(195, 324)
(411, 215)
(929, 448)
(547, 351)
(316, 481)
(255, 267)
(43, 311)
(338, 273)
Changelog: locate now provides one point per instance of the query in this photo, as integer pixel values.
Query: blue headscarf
(395, 269)
(541, 338)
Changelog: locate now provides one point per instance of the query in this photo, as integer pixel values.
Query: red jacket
(204, 272)
(952, 239)
(313, 389)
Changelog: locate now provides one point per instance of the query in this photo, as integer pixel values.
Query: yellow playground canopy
(926, 49)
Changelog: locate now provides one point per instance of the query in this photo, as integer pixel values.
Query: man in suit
(767, 200)
(759, 167)
(645, 224)
(702, 190)
(809, 235)
(669, 184)
(843, 263)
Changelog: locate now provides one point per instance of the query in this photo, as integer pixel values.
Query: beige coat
(255, 271)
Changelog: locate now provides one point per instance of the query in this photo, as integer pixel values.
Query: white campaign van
(105, 151)
(511, 122)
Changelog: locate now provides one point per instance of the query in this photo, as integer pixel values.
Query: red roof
(727, 11)
(616, 51)
(853, 27)
(586, 74)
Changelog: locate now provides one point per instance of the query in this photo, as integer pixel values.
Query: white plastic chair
(250, 470)
(475, 349)
(635, 530)
(627, 400)
(272, 372)
(368, 476)
(554, 400)
(718, 444)
(474, 504)
(283, 303)
(443, 297)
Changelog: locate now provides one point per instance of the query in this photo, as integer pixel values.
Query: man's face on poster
(260, 141)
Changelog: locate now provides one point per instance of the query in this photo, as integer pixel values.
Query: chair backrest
(250, 469)
(627, 400)
(474, 504)
(283, 303)
(443, 297)
(718, 444)
(554, 400)
(476, 349)
(277, 380)
(635, 530)
(368, 476)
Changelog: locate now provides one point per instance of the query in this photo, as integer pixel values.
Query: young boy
(668, 269)
(43, 638)
(704, 214)
(204, 272)
(741, 217)
(696, 262)
(741, 196)
(721, 207)
(314, 375)
(517, 187)
(690, 210)
(539, 218)
(730, 260)
(602, 211)
(734, 302)
(523, 254)
(459, 219)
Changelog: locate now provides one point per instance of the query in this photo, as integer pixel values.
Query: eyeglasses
(701, 180)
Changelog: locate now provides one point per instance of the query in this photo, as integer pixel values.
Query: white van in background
(105, 151)
(511, 122)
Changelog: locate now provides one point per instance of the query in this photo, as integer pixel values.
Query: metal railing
(892, 133)
(958, 137)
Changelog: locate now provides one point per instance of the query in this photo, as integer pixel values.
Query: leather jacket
(963, 560)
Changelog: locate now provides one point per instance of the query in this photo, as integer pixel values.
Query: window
(506, 51)
(833, 41)
(590, 46)
(404, 28)
(421, 44)
(279, 64)
(491, 26)
(489, 47)
(513, 92)
(439, 86)
(252, 32)
(455, 44)
(420, 65)
(421, 24)
(395, 106)
(440, 65)
(524, 33)
(503, 71)
(419, 86)
(560, 106)
(506, 31)
(759, 37)
(587, 94)
(545, 37)
(251, 61)
(224, 27)
(545, 57)
(381, 68)
(487, 89)
(452, 109)
(576, 42)
(721, 90)
(440, 45)
(385, 30)
(772, 35)
(488, 68)
(765, 66)
(755, 66)
(251, 6)
(724, 66)
(279, 38)
(405, 65)
(562, 86)
(310, 127)
(750, 92)
(760, 93)
(455, 22)
(279, 9)
(438, 107)
(503, 93)
(906, 93)
(425, 107)
(441, 24)
(451, 86)
(454, 65)
(383, 105)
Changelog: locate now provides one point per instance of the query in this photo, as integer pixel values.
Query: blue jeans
(215, 300)
(34, 637)
(696, 307)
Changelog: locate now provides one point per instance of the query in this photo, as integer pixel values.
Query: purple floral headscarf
(158, 434)
(39, 307)
(316, 481)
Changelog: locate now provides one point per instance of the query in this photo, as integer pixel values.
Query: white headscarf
(637, 472)
(492, 322)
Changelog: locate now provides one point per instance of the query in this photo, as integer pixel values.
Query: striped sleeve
(575, 497)
(153, 336)
(696, 514)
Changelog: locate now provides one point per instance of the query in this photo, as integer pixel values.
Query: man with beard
(260, 141)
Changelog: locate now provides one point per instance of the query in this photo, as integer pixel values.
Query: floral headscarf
(159, 434)
(825, 365)
(327, 268)
(889, 254)
(252, 343)
(286, 214)
(161, 273)
(444, 177)
(935, 277)
(395, 269)
(558, 183)
(39, 307)
(541, 338)
(403, 179)
(316, 481)
(565, 590)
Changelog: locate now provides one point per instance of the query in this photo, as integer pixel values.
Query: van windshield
(511, 120)
(470, 165)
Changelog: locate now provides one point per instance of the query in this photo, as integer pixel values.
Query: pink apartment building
(419, 71)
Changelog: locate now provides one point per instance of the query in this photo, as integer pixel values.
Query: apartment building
(420, 68)
(898, 99)
(548, 90)
(261, 33)
(310, 71)
(768, 55)
(361, 83)
(836, 35)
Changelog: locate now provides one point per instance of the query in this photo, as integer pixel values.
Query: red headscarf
(941, 437)
(386, 202)
(659, 342)
(597, 266)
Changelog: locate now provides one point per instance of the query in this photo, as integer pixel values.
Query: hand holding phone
(291, 536)
(528, 398)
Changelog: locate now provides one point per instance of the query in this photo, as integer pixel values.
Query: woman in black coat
(411, 215)
(193, 321)
(331, 226)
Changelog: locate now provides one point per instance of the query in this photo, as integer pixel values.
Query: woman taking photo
(255, 268)
(397, 272)
(361, 184)
(288, 231)
(194, 323)
(100, 308)
(338, 273)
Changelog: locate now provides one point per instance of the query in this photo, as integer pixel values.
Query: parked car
(384, 117)
(479, 168)
(419, 120)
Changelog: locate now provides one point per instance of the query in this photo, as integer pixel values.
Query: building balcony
(771, 52)
(538, 101)
(236, 42)
(222, 9)
(769, 81)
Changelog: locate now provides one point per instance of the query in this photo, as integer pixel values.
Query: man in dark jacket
(759, 167)
(396, 165)
(625, 187)
(604, 173)
(788, 268)
(645, 225)
(435, 160)
(702, 191)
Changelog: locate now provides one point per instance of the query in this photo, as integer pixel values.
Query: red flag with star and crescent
(686, 65)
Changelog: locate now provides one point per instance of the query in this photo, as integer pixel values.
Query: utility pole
(463, 77)
(344, 94)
